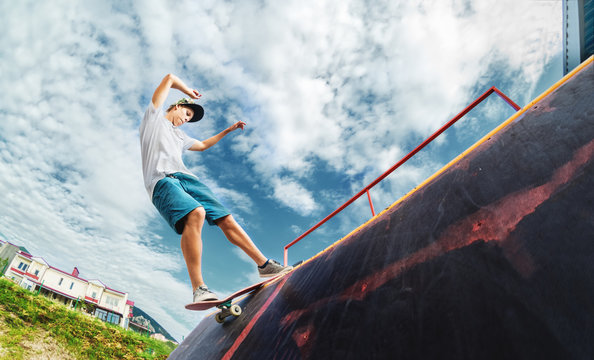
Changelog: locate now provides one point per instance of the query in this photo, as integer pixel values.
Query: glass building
(578, 32)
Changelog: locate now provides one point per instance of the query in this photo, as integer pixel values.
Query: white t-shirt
(162, 145)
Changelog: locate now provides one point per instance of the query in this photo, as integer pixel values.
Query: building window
(22, 266)
(113, 318)
(61, 279)
(111, 301)
(36, 272)
(101, 314)
(108, 316)
(71, 285)
(94, 296)
(26, 285)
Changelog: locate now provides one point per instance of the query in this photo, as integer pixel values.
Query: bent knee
(226, 220)
(196, 216)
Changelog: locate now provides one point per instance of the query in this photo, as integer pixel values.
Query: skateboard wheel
(220, 319)
(235, 310)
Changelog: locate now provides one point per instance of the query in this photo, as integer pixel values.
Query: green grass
(31, 324)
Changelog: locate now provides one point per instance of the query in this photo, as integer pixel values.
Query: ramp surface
(492, 258)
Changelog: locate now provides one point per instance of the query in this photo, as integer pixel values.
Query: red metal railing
(402, 161)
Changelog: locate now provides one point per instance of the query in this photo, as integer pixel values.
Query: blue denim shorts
(176, 195)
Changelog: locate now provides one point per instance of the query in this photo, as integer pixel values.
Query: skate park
(488, 258)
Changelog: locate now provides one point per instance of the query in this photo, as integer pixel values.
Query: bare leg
(191, 245)
(237, 236)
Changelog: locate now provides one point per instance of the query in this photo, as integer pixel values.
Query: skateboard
(228, 309)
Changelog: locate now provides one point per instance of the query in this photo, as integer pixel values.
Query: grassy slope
(31, 325)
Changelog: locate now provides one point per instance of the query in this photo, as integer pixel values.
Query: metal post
(370, 203)
(40, 287)
(286, 256)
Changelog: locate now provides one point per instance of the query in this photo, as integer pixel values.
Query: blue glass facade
(578, 31)
(589, 27)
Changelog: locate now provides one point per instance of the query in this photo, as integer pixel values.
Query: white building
(34, 273)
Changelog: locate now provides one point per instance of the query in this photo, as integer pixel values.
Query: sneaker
(273, 268)
(203, 294)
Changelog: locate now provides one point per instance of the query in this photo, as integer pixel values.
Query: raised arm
(203, 145)
(171, 81)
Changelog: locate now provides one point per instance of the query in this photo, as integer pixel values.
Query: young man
(178, 195)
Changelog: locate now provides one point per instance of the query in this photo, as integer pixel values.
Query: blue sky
(333, 92)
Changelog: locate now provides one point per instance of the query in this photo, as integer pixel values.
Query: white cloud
(70, 154)
(293, 195)
(357, 78)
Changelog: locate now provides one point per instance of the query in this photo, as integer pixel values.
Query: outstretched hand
(237, 125)
(203, 145)
(194, 94)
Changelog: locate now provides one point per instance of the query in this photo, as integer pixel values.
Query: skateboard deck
(205, 305)
(227, 309)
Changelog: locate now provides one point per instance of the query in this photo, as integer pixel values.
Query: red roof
(27, 255)
(65, 273)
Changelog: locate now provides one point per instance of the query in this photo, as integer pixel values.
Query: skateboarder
(178, 194)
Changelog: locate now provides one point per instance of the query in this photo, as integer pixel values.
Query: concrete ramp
(491, 258)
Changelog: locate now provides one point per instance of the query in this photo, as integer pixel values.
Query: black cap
(198, 110)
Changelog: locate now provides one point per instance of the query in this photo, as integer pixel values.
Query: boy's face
(181, 115)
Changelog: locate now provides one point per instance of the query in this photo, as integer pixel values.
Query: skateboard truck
(227, 310)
